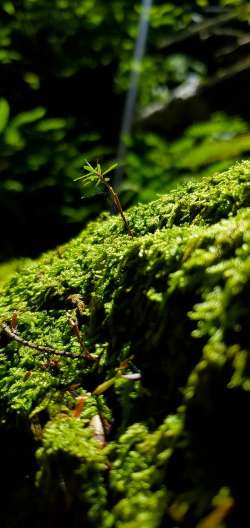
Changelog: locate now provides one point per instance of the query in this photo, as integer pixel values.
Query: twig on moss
(75, 328)
(47, 350)
(77, 302)
(95, 175)
(14, 321)
(76, 332)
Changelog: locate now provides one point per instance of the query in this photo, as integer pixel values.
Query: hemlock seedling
(95, 176)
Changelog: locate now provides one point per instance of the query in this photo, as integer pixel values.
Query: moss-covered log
(139, 418)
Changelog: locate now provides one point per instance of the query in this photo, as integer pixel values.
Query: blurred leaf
(155, 166)
(4, 114)
(13, 138)
(9, 8)
(8, 56)
(13, 185)
(28, 117)
(32, 79)
(51, 124)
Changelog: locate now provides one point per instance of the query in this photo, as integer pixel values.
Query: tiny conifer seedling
(94, 176)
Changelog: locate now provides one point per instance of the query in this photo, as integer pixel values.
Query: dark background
(65, 70)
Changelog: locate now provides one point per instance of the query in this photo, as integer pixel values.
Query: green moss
(9, 268)
(172, 304)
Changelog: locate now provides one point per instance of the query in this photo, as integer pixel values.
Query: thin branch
(203, 26)
(76, 332)
(75, 329)
(116, 202)
(47, 350)
(119, 209)
(14, 321)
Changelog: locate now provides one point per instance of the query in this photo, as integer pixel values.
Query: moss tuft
(169, 309)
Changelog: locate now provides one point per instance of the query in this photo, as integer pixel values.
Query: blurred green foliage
(154, 165)
(64, 68)
(8, 269)
(38, 151)
(40, 158)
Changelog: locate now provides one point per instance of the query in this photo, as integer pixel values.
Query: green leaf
(28, 117)
(32, 79)
(78, 179)
(88, 165)
(51, 124)
(4, 114)
(104, 386)
(7, 56)
(112, 167)
(89, 178)
(14, 138)
(89, 169)
(9, 8)
(13, 185)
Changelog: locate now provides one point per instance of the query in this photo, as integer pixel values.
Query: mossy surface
(171, 304)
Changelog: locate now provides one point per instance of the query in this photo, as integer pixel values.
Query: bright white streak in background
(128, 114)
